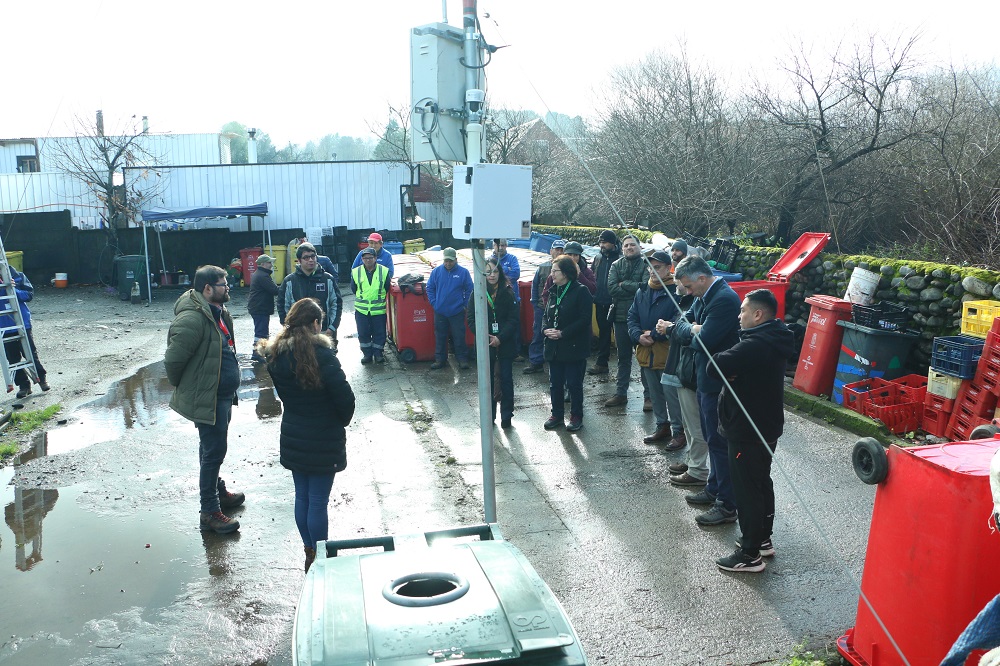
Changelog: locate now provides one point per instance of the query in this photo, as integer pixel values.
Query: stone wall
(932, 294)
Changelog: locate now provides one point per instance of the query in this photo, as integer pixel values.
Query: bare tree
(97, 159)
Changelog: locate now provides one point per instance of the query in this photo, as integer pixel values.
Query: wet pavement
(102, 552)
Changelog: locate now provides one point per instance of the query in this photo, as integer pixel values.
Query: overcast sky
(301, 69)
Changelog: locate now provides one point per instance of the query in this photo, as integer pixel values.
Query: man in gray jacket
(201, 363)
(627, 275)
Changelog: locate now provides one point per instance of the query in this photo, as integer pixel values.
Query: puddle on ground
(138, 585)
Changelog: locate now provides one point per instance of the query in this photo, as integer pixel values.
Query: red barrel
(930, 565)
(410, 323)
(248, 258)
(821, 348)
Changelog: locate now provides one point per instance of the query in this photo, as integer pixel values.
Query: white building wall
(173, 149)
(49, 192)
(311, 195)
(9, 152)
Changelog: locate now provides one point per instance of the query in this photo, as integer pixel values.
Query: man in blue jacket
(25, 292)
(509, 264)
(711, 324)
(448, 290)
(382, 255)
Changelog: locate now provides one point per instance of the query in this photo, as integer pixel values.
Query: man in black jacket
(755, 369)
(260, 302)
(311, 281)
(610, 252)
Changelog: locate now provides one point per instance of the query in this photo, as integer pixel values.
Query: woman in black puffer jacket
(504, 329)
(318, 404)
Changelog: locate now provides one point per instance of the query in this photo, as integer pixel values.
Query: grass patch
(8, 449)
(28, 421)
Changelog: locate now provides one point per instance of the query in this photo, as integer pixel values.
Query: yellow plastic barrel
(413, 246)
(279, 254)
(16, 259)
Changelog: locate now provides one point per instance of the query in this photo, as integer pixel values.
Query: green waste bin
(425, 600)
(129, 269)
(870, 352)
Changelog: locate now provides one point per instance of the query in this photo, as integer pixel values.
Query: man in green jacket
(201, 363)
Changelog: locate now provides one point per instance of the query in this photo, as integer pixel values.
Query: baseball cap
(559, 243)
(573, 247)
(449, 253)
(661, 257)
(368, 250)
(375, 237)
(264, 259)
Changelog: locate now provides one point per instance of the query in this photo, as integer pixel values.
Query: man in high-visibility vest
(370, 283)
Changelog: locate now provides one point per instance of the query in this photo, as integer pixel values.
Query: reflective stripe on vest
(369, 299)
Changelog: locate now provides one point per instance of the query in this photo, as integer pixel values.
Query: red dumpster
(411, 323)
(931, 560)
(818, 361)
(248, 257)
(801, 252)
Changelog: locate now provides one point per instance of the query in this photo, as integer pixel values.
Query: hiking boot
(532, 369)
(677, 468)
(766, 547)
(552, 423)
(219, 522)
(365, 360)
(699, 498)
(463, 365)
(380, 359)
(44, 385)
(228, 500)
(598, 370)
(741, 562)
(505, 423)
(437, 365)
(678, 442)
(24, 392)
(575, 423)
(647, 405)
(662, 433)
(686, 480)
(616, 401)
(717, 515)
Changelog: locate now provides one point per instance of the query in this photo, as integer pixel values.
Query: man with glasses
(311, 281)
(382, 256)
(201, 364)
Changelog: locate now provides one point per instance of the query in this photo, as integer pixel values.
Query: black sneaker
(24, 392)
(365, 360)
(532, 369)
(552, 423)
(699, 498)
(741, 562)
(766, 547)
(437, 365)
(44, 385)
(717, 515)
(598, 370)
(380, 359)
(218, 522)
(575, 423)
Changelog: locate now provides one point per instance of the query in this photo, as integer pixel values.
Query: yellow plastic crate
(943, 385)
(413, 246)
(978, 316)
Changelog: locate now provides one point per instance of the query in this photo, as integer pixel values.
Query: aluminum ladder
(15, 334)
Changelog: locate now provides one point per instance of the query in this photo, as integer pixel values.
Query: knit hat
(680, 245)
(449, 253)
(573, 247)
(609, 236)
(264, 259)
(375, 237)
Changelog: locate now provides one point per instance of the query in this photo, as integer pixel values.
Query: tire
(407, 355)
(985, 431)
(869, 460)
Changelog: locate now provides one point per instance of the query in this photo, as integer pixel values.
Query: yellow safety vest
(369, 296)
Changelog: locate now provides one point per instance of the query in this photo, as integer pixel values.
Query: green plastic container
(427, 601)
(129, 269)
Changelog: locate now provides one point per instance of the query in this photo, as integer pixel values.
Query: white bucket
(62, 279)
(861, 288)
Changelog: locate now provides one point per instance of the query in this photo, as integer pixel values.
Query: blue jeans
(719, 483)
(212, 447)
(261, 322)
(455, 327)
(564, 376)
(536, 349)
(312, 497)
(371, 333)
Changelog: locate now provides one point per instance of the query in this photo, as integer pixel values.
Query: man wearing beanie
(610, 252)
(678, 251)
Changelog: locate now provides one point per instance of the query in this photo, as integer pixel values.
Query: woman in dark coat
(503, 328)
(318, 406)
(566, 329)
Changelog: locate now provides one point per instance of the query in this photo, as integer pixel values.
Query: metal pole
(149, 284)
(473, 152)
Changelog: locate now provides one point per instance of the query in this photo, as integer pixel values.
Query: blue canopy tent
(160, 215)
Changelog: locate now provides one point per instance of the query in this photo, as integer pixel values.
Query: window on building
(27, 164)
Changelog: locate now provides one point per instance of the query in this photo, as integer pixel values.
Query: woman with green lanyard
(503, 327)
(567, 341)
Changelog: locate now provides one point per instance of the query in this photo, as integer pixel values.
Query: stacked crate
(897, 403)
(976, 399)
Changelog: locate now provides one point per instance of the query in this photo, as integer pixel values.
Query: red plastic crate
(912, 387)
(996, 326)
(977, 400)
(934, 421)
(856, 395)
(960, 426)
(946, 405)
(898, 419)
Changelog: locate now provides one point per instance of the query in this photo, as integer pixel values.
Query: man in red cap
(382, 255)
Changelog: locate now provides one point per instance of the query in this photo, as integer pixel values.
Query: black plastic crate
(724, 253)
(886, 316)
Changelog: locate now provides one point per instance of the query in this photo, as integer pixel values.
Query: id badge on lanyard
(495, 328)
